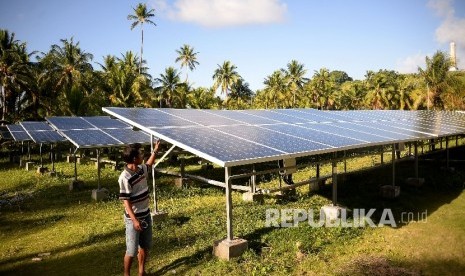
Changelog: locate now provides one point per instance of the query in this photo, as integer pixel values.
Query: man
(135, 195)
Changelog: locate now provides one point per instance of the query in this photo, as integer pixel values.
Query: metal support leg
(416, 159)
(229, 225)
(98, 169)
(155, 201)
(447, 152)
(345, 163)
(253, 179)
(382, 155)
(334, 166)
(75, 165)
(393, 165)
(40, 154)
(53, 157)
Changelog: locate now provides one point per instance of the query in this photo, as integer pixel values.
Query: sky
(258, 36)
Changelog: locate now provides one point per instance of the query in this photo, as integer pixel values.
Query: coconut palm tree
(170, 83)
(295, 78)
(141, 15)
(187, 57)
(225, 76)
(437, 78)
(14, 73)
(275, 89)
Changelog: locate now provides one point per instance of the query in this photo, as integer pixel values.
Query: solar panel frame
(18, 133)
(337, 131)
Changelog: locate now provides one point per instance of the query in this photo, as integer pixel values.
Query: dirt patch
(374, 265)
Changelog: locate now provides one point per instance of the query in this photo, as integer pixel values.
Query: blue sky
(258, 36)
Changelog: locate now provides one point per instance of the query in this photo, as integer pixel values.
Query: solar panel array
(237, 137)
(5, 133)
(98, 131)
(41, 132)
(18, 133)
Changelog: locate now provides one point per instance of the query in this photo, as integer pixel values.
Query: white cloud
(452, 28)
(411, 63)
(225, 13)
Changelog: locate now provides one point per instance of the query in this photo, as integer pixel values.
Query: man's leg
(127, 265)
(142, 256)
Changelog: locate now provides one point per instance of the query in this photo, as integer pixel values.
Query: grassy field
(45, 229)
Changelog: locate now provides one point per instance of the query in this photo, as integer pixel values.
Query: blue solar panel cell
(316, 136)
(242, 117)
(128, 136)
(276, 140)
(90, 138)
(46, 136)
(5, 133)
(278, 117)
(338, 129)
(217, 146)
(149, 117)
(199, 117)
(35, 126)
(20, 136)
(69, 123)
(105, 122)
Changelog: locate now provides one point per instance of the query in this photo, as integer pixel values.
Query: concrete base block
(314, 186)
(253, 197)
(99, 194)
(76, 185)
(42, 170)
(389, 191)
(70, 159)
(227, 250)
(332, 212)
(29, 166)
(52, 173)
(181, 182)
(159, 216)
(415, 182)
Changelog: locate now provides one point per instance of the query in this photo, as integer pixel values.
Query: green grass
(38, 214)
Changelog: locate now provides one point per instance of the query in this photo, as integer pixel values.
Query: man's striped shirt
(133, 187)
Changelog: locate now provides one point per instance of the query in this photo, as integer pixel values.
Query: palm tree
(66, 67)
(14, 72)
(275, 88)
(170, 83)
(295, 77)
(141, 15)
(225, 76)
(187, 57)
(437, 78)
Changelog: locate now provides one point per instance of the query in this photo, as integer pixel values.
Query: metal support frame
(393, 165)
(155, 201)
(53, 157)
(98, 169)
(229, 223)
(334, 173)
(40, 154)
(447, 152)
(416, 159)
(382, 155)
(253, 180)
(75, 164)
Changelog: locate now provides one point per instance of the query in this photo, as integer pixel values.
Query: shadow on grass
(56, 265)
(360, 189)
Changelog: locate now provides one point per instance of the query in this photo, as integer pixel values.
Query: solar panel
(90, 138)
(236, 137)
(5, 133)
(35, 126)
(98, 131)
(128, 136)
(285, 142)
(104, 122)
(18, 133)
(46, 136)
(68, 123)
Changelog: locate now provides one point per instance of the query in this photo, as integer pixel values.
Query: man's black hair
(131, 152)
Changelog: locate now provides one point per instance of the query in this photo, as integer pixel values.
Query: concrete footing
(99, 194)
(415, 182)
(29, 166)
(389, 191)
(252, 197)
(42, 170)
(159, 216)
(76, 185)
(70, 159)
(181, 182)
(227, 250)
(52, 173)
